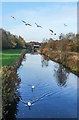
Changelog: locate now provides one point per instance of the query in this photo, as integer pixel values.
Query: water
(55, 92)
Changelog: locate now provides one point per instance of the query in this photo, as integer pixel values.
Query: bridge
(35, 47)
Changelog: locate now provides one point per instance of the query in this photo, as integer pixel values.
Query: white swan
(33, 86)
(29, 103)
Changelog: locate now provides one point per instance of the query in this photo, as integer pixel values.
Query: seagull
(65, 25)
(23, 21)
(28, 24)
(13, 17)
(38, 25)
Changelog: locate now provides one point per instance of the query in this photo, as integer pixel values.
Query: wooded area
(68, 42)
(10, 41)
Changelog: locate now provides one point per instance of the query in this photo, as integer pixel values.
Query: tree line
(68, 42)
(10, 41)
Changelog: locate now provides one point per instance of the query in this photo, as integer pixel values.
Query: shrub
(10, 84)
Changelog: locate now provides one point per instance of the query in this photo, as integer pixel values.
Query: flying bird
(13, 17)
(51, 30)
(23, 21)
(38, 25)
(54, 33)
(65, 25)
(28, 24)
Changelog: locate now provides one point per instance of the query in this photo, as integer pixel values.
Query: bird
(54, 33)
(38, 25)
(29, 103)
(28, 24)
(13, 17)
(65, 25)
(33, 86)
(51, 30)
(23, 21)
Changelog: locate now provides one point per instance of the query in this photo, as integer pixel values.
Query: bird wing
(39, 26)
(36, 24)
(65, 25)
(13, 17)
(23, 21)
(29, 24)
(51, 30)
(26, 24)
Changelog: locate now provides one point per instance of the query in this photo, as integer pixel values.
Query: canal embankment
(69, 60)
(10, 83)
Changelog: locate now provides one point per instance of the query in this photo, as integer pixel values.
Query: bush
(10, 84)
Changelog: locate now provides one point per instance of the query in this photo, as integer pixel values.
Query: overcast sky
(50, 15)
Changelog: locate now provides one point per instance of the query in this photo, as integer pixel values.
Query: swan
(33, 86)
(29, 103)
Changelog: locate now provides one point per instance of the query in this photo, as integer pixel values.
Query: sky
(50, 15)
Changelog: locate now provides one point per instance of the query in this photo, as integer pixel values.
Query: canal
(55, 89)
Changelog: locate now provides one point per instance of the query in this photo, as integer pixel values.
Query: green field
(9, 56)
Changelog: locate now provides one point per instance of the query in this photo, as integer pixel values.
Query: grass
(9, 56)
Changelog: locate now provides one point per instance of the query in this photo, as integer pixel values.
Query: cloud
(48, 17)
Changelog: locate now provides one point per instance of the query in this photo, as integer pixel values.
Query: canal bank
(10, 84)
(69, 60)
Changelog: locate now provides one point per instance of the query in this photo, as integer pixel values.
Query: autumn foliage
(10, 84)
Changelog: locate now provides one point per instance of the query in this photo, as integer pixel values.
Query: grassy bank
(67, 59)
(9, 56)
(11, 60)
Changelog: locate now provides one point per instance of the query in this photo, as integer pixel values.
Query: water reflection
(61, 74)
(48, 96)
(44, 61)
